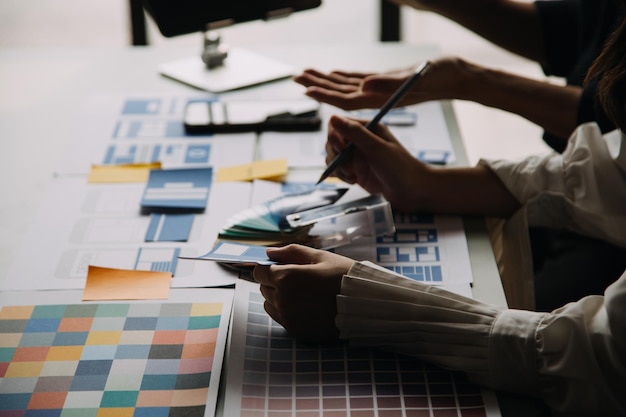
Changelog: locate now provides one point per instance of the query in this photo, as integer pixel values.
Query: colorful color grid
(284, 378)
(88, 360)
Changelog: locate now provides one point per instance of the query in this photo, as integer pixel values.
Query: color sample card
(127, 359)
(271, 375)
(237, 253)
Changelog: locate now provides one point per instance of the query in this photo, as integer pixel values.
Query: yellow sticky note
(333, 180)
(121, 173)
(125, 284)
(274, 169)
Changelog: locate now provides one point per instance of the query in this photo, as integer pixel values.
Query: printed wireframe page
(421, 128)
(82, 224)
(115, 129)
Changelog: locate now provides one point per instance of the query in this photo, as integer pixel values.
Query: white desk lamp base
(241, 68)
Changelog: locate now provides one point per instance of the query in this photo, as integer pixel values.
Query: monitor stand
(219, 68)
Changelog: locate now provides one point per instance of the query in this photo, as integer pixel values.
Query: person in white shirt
(574, 358)
(563, 37)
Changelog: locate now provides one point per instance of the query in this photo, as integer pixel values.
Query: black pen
(393, 100)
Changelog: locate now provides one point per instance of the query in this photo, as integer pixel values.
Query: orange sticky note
(125, 284)
(274, 169)
(121, 173)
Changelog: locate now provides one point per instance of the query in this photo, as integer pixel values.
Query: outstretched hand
(300, 290)
(360, 90)
(353, 90)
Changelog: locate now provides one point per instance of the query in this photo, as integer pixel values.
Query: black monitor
(179, 17)
(220, 68)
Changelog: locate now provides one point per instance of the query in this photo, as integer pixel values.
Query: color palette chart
(271, 375)
(113, 359)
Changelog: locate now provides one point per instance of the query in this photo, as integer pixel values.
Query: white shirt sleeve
(583, 189)
(574, 357)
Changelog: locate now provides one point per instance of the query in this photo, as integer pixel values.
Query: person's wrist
(470, 80)
(411, 193)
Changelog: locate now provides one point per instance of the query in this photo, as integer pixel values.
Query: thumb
(292, 254)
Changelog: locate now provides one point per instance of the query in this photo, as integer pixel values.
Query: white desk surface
(43, 89)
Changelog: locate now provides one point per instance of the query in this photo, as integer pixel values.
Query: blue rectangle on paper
(142, 129)
(433, 157)
(142, 106)
(157, 259)
(198, 154)
(177, 189)
(156, 151)
(169, 227)
(437, 274)
(113, 155)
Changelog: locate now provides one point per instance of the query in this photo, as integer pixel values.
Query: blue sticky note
(177, 190)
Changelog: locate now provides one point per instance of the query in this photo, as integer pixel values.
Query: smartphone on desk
(202, 117)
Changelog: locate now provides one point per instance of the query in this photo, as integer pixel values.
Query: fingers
(346, 101)
(332, 81)
(289, 255)
(371, 144)
(345, 90)
(273, 313)
(336, 78)
(263, 275)
(339, 89)
(293, 254)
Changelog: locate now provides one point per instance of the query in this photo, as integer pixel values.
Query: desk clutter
(110, 310)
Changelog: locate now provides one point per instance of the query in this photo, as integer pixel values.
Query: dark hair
(610, 71)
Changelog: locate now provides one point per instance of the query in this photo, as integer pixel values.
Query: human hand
(300, 290)
(378, 163)
(352, 90)
(446, 79)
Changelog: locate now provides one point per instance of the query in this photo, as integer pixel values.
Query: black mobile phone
(202, 117)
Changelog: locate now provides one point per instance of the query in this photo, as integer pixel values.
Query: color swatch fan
(267, 223)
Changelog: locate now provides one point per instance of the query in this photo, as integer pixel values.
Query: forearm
(551, 106)
(572, 357)
(512, 25)
(376, 308)
(465, 191)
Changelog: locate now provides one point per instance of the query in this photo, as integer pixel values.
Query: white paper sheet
(428, 139)
(82, 224)
(115, 129)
